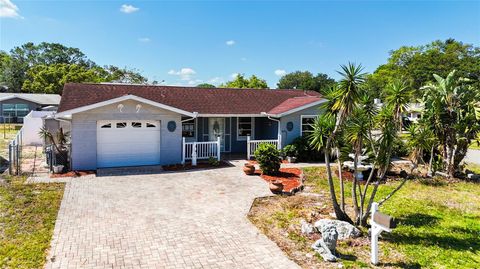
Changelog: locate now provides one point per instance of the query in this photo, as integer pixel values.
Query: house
(116, 125)
(15, 106)
(414, 111)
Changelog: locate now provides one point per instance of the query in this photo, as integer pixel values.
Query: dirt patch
(73, 174)
(278, 217)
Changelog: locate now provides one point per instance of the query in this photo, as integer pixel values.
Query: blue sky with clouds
(189, 42)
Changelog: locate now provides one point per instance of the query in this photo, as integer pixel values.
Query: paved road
(473, 156)
(171, 220)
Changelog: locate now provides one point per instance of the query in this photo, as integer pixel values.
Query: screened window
(15, 110)
(136, 124)
(121, 124)
(188, 127)
(307, 124)
(108, 125)
(245, 127)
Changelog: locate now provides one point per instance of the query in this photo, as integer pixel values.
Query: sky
(192, 42)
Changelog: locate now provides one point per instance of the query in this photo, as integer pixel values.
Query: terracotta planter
(276, 186)
(249, 169)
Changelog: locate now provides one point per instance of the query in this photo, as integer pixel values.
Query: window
(307, 124)
(121, 124)
(15, 110)
(244, 127)
(136, 124)
(108, 125)
(151, 125)
(188, 127)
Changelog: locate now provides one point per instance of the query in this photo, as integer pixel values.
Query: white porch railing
(200, 150)
(252, 145)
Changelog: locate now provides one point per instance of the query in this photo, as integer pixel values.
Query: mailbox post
(380, 222)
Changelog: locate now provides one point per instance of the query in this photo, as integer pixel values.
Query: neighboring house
(15, 106)
(116, 125)
(414, 111)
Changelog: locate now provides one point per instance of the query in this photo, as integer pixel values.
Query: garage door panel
(138, 143)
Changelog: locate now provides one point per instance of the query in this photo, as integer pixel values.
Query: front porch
(231, 135)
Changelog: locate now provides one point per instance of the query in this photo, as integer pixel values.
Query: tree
(418, 63)
(450, 111)
(18, 66)
(122, 75)
(398, 95)
(205, 85)
(51, 78)
(241, 82)
(305, 80)
(350, 122)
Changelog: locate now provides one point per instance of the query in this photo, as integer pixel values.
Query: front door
(216, 128)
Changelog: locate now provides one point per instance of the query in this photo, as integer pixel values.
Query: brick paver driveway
(170, 220)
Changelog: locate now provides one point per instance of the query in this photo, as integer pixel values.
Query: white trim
(13, 96)
(124, 98)
(299, 108)
(301, 121)
(229, 115)
(252, 129)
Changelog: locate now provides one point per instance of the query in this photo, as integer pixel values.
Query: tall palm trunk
(340, 214)
(342, 190)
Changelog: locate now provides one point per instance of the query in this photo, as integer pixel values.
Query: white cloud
(126, 8)
(230, 42)
(144, 39)
(185, 73)
(215, 80)
(195, 81)
(234, 75)
(8, 9)
(280, 72)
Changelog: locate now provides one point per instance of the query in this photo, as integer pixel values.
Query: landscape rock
(327, 244)
(307, 228)
(344, 229)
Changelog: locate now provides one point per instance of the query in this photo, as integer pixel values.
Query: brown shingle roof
(201, 100)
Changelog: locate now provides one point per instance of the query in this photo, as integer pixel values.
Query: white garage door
(128, 143)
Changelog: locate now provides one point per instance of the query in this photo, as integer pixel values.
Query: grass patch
(475, 144)
(27, 219)
(439, 223)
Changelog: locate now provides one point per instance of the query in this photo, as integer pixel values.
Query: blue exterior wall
(295, 118)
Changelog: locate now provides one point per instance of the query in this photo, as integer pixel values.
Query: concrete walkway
(193, 219)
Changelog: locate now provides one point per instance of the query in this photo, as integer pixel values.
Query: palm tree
(398, 94)
(344, 100)
(356, 131)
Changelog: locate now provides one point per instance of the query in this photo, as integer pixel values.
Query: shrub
(400, 148)
(213, 161)
(304, 151)
(290, 150)
(268, 157)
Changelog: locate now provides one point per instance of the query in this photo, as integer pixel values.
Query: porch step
(131, 170)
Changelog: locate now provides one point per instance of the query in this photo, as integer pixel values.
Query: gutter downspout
(279, 129)
(195, 114)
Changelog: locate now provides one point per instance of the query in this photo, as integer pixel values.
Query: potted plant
(291, 152)
(276, 186)
(249, 169)
(58, 169)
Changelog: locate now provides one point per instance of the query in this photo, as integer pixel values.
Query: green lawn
(438, 222)
(27, 219)
(474, 144)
